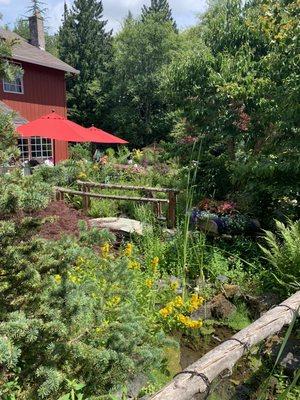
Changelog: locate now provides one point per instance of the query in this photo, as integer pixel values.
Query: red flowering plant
(218, 207)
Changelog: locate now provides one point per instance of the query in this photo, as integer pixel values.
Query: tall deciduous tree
(161, 10)
(84, 44)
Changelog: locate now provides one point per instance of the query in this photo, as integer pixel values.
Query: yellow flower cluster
(105, 248)
(196, 301)
(134, 265)
(166, 311)
(82, 175)
(149, 283)
(188, 322)
(178, 302)
(154, 263)
(114, 302)
(128, 250)
(74, 279)
(57, 279)
(174, 285)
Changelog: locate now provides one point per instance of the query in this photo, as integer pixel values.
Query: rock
(290, 358)
(204, 312)
(208, 226)
(221, 307)
(124, 225)
(231, 291)
(134, 387)
(261, 304)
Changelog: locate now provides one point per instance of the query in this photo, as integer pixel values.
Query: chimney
(36, 28)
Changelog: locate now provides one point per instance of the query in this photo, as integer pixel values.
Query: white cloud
(5, 2)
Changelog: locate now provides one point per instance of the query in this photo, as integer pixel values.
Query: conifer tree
(84, 44)
(161, 9)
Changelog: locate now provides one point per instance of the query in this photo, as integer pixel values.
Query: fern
(282, 251)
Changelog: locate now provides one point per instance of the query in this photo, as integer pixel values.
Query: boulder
(258, 305)
(221, 307)
(231, 291)
(123, 225)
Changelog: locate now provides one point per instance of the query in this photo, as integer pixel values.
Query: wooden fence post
(171, 218)
(86, 201)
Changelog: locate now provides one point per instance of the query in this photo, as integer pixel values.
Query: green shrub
(68, 313)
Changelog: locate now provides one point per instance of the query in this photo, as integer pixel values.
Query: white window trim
(6, 82)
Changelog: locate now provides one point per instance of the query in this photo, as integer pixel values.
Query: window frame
(35, 145)
(4, 82)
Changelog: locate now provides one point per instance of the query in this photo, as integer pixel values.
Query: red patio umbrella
(54, 126)
(99, 136)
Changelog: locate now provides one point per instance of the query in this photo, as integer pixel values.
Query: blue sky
(184, 11)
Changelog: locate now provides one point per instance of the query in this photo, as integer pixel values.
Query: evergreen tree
(161, 9)
(84, 44)
(37, 6)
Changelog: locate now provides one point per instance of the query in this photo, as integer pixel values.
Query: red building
(37, 91)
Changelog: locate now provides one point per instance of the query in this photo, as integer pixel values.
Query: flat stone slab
(124, 225)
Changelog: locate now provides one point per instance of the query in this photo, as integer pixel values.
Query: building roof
(17, 118)
(24, 51)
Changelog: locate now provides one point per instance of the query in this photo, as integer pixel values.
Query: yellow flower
(114, 302)
(188, 322)
(82, 175)
(174, 285)
(196, 301)
(178, 302)
(149, 283)
(74, 279)
(128, 249)
(134, 265)
(166, 311)
(57, 279)
(105, 250)
(95, 167)
(154, 263)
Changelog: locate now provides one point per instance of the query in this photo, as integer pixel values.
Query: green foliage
(84, 44)
(23, 193)
(160, 9)
(282, 251)
(81, 152)
(8, 140)
(140, 51)
(69, 315)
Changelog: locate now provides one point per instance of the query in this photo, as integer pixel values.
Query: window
(24, 148)
(41, 148)
(16, 85)
(35, 148)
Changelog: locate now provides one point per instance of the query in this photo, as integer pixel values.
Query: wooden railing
(85, 192)
(197, 378)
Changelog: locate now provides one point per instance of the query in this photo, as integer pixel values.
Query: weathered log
(111, 197)
(125, 187)
(196, 378)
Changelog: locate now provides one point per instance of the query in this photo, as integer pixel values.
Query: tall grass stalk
(264, 394)
(190, 191)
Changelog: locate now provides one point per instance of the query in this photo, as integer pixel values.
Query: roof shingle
(24, 51)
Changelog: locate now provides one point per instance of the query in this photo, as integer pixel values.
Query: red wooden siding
(44, 91)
